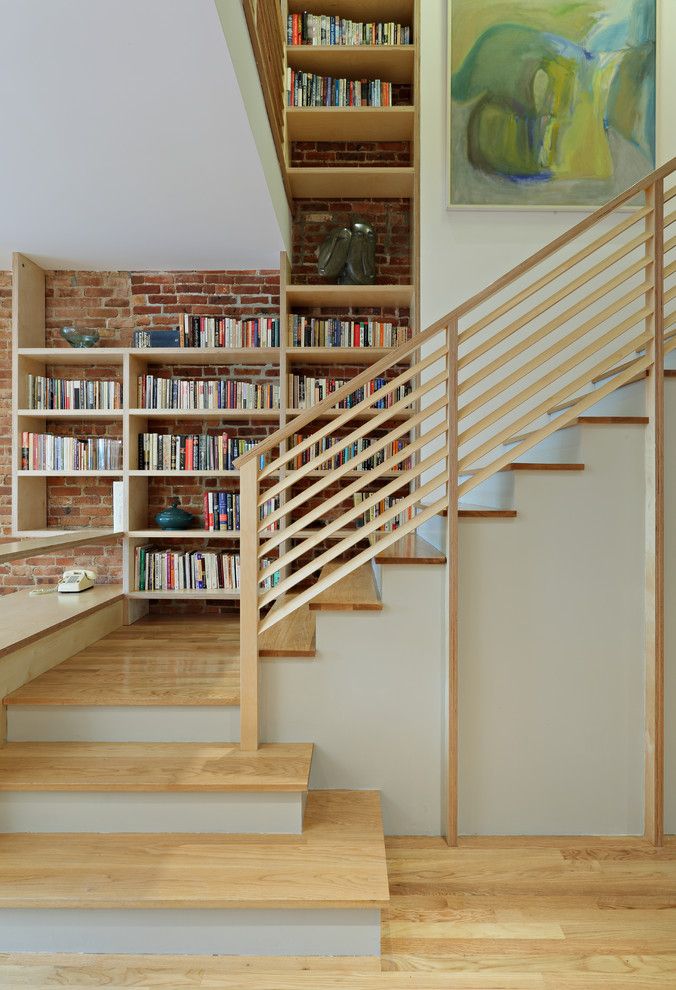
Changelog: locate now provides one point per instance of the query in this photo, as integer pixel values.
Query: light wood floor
(560, 915)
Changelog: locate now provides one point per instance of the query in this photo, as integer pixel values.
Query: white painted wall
(551, 695)
(462, 251)
(126, 142)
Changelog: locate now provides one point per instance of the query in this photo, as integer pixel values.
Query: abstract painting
(552, 102)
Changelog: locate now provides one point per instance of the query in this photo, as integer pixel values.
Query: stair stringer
(551, 649)
(372, 700)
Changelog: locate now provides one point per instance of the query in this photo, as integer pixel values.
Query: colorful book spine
(47, 452)
(191, 452)
(67, 393)
(306, 89)
(306, 391)
(304, 331)
(159, 569)
(155, 392)
(213, 332)
(327, 29)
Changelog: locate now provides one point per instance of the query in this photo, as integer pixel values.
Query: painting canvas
(552, 102)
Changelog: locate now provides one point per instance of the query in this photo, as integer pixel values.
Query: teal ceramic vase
(174, 517)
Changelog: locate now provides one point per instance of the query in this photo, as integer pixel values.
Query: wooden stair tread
(154, 767)
(411, 549)
(485, 512)
(355, 593)
(293, 636)
(338, 862)
(200, 666)
(590, 421)
(25, 618)
(531, 466)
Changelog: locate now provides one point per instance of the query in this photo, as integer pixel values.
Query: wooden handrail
(512, 387)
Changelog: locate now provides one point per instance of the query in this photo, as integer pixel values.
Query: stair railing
(450, 408)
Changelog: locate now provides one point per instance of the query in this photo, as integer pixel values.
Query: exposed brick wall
(115, 303)
(311, 154)
(391, 222)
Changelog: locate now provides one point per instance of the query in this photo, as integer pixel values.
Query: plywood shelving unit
(398, 64)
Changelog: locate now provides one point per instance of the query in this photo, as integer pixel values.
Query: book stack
(349, 453)
(221, 512)
(306, 391)
(195, 570)
(321, 332)
(67, 393)
(326, 29)
(177, 570)
(205, 393)
(46, 452)
(213, 332)
(191, 452)
(306, 89)
(377, 510)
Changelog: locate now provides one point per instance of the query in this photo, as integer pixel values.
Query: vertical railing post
(654, 528)
(452, 558)
(248, 615)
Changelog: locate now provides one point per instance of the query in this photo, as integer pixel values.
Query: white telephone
(77, 580)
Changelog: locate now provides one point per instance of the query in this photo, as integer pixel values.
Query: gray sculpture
(348, 255)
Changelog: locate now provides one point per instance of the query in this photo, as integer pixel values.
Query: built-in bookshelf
(227, 347)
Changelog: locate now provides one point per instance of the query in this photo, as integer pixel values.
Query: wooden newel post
(452, 558)
(248, 616)
(654, 528)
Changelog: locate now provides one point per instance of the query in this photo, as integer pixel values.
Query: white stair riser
(254, 813)
(193, 932)
(74, 723)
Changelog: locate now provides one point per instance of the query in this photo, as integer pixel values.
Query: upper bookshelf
(396, 63)
(400, 11)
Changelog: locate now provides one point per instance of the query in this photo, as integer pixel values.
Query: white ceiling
(124, 141)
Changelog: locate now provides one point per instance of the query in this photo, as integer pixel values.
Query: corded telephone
(77, 580)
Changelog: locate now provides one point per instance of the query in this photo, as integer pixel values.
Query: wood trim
(248, 616)
(24, 548)
(452, 553)
(654, 534)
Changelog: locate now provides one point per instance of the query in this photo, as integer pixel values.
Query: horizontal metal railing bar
(556, 424)
(338, 548)
(343, 521)
(292, 477)
(553, 350)
(275, 616)
(562, 318)
(356, 486)
(354, 411)
(577, 283)
(525, 421)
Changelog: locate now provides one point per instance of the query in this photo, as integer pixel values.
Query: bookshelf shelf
(366, 414)
(184, 534)
(183, 474)
(70, 413)
(196, 356)
(393, 63)
(184, 595)
(75, 356)
(336, 355)
(350, 123)
(362, 182)
(218, 414)
(69, 474)
(349, 296)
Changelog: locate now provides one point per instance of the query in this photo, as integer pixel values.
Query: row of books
(190, 452)
(306, 391)
(380, 507)
(221, 512)
(205, 393)
(306, 89)
(349, 453)
(213, 332)
(66, 393)
(313, 331)
(196, 570)
(328, 29)
(47, 452)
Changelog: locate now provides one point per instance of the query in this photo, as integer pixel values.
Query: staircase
(142, 728)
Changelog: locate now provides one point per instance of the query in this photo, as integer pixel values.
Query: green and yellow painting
(552, 101)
